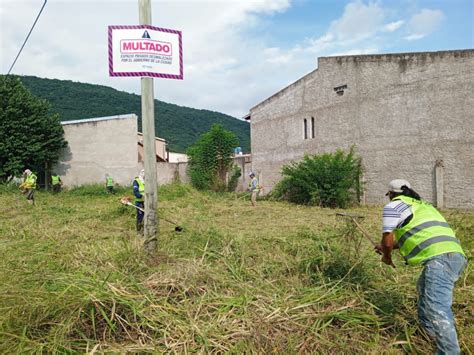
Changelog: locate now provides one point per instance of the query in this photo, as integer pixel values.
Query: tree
(210, 158)
(30, 136)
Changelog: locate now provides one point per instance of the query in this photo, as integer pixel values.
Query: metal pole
(149, 146)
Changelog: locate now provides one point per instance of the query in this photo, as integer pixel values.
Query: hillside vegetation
(180, 126)
(277, 279)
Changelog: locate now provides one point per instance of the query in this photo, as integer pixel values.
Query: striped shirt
(394, 214)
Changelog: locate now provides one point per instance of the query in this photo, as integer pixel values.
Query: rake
(353, 218)
(366, 234)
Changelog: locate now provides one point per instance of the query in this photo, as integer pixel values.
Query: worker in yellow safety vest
(109, 184)
(29, 185)
(424, 238)
(56, 182)
(139, 192)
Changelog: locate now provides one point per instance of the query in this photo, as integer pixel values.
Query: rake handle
(364, 232)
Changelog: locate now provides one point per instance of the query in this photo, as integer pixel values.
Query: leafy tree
(210, 158)
(29, 135)
(327, 180)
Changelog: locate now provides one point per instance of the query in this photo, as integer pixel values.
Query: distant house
(99, 146)
(161, 149)
(177, 157)
(409, 115)
(104, 145)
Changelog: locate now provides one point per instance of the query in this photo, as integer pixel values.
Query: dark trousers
(140, 215)
(56, 188)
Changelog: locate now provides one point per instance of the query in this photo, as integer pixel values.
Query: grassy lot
(276, 279)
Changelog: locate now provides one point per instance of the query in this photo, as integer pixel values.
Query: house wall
(160, 147)
(244, 162)
(97, 147)
(171, 172)
(402, 112)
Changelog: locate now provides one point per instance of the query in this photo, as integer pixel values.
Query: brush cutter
(126, 201)
(366, 234)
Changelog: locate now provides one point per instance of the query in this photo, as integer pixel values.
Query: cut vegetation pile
(279, 278)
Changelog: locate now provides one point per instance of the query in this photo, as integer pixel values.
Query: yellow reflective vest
(141, 190)
(55, 179)
(30, 181)
(426, 235)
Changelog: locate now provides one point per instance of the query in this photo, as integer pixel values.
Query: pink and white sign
(145, 50)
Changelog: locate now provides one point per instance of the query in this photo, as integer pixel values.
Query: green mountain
(180, 126)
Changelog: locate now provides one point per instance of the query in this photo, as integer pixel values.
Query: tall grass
(279, 278)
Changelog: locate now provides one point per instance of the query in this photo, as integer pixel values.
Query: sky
(236, 53)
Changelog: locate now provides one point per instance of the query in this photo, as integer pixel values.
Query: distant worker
(254, 188)
(56, 182)
(109, 184)
(424, 238)
(29, 185)
(139, 192)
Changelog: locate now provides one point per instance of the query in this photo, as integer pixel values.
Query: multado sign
(145, 51)
(145, 46)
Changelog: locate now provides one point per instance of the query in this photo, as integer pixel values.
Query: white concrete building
(99, 146)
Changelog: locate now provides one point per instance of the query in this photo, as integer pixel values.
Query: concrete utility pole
(148, 126)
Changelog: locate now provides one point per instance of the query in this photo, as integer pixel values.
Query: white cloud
(393, 26)
(357, 51)
(358, 22)
(226, 69)
(424, 23)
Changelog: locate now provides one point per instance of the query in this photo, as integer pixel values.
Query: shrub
(328, 180)
(234, 175)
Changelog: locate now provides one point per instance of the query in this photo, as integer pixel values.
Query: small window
(305, 128)
(312, 127)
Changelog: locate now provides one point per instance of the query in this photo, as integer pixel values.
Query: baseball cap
(396, 185)
(251, 173)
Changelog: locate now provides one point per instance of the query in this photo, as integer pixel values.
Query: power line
(26, 39)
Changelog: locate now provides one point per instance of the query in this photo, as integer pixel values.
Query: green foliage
(327, 180)
(180, 126)
(234, 174)
(171, 192)
(96, 190)
(210, 159)
(30, 136)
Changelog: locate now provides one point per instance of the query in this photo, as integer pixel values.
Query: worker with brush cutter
(424, 238)
(254, 188)
(29, 186)
(139, 192)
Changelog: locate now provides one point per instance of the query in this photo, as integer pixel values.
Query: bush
(234, 175)
(328, 180)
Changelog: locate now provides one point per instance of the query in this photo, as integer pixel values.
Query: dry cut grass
(279, 278)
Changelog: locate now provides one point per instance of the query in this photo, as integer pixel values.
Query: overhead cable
(26, 39)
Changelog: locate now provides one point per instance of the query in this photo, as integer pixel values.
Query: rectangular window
(312, 127)
(305, 128)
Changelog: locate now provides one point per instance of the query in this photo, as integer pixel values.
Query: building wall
(402, 112)
(160, 147)
(244, 162)
(97, 147)
(171, 172)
